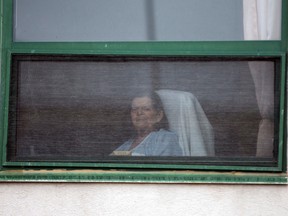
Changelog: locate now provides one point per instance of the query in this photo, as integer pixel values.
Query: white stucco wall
(142, 199)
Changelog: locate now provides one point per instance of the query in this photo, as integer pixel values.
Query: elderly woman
(151, 137)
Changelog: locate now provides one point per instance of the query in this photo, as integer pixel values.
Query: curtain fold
(188, 120)
(262, 21)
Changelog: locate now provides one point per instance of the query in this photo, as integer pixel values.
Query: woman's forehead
(141, 101)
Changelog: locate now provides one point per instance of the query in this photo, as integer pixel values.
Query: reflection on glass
(83, 107)
(128, 20)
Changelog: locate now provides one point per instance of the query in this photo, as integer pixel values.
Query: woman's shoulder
(166, 144)
(125, 146)
(166, 132)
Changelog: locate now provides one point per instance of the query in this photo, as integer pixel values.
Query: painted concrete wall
(142, 199)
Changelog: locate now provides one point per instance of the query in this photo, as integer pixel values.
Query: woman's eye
(147, 109)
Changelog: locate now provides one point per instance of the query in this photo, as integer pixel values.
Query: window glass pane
(128, 20)
(85, 107)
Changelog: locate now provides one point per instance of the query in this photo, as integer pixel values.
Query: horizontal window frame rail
(174, 167)
(151, 48)
(60, 175)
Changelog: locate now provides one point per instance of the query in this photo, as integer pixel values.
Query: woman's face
(143, 115)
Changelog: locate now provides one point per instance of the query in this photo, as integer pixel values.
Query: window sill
(111, 176)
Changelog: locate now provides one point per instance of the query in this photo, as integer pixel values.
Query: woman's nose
(139, 111)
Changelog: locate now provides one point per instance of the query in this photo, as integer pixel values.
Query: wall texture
(142, 199)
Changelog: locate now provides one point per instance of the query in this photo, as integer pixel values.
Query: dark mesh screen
(66, 108)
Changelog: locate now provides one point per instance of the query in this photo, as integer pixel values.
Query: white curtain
(262, 21)
(187, 118)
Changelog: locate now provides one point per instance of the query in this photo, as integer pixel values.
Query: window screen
(78, 108)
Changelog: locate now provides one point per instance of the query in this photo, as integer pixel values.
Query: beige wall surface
(141, 199)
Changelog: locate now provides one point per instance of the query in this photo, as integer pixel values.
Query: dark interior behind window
(77, 108)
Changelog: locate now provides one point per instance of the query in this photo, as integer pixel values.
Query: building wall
(142, 199)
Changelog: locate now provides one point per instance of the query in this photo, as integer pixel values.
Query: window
(127, 20)
(133, 110)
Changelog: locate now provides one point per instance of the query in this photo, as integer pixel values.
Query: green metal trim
(10, 165)
(1, 25)
(6, 43)
(158, 53)
(1, 83)
(152, 48)
(141, 177)
(284, 100)
(282, 121)
(5, 106)
(7, 28)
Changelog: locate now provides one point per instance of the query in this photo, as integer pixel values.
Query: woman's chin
(144, 129)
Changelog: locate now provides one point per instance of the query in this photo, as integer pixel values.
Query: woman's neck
(141, 135)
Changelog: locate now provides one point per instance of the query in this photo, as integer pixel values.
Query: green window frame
(135, 172)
